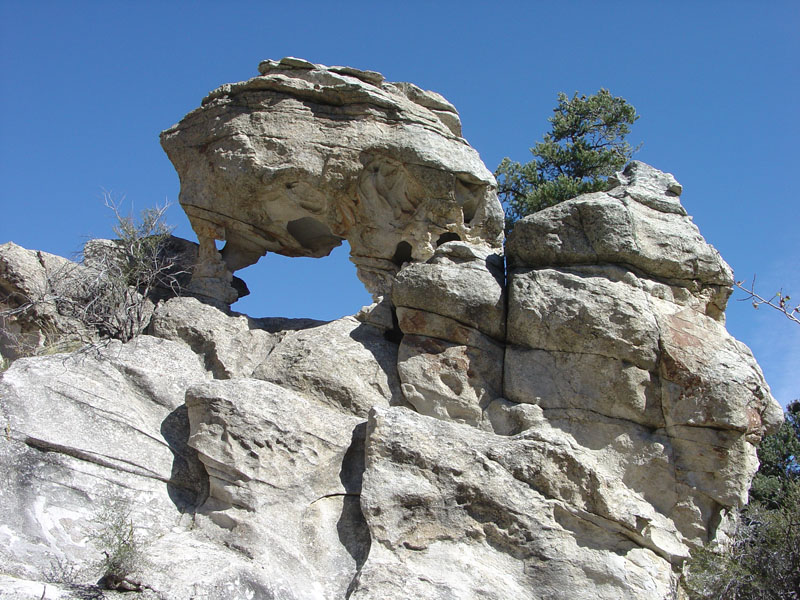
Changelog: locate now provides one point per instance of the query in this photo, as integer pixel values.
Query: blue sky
(86, 88)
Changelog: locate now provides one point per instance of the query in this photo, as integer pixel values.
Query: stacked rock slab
(304, 156)
(452, 312)
(568, 433)
(615, 335)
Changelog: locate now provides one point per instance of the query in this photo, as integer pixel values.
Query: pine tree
(586, 144)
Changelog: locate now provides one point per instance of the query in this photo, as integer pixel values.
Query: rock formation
(567, 421)
(304, 156)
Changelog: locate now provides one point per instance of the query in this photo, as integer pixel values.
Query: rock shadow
(384, 351)
(352, 527)
(188, 484)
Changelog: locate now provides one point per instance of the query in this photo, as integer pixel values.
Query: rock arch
(304, 156)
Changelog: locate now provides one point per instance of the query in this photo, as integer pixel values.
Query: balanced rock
(305, 156)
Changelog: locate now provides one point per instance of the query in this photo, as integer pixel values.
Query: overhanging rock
(304, 156)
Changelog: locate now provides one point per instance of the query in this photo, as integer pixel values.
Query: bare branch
(779, 301)
(109, 294)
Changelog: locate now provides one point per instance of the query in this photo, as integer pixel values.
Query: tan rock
(449, 381)
(304, 156)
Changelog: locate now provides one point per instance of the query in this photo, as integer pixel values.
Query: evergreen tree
(586, 144)
(761, 560)
(779, 458)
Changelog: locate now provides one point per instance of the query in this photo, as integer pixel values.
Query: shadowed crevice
(352, 526)
(188, 483)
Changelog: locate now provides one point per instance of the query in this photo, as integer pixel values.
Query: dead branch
(779, 301)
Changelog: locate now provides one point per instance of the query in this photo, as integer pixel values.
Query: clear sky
(86, 88)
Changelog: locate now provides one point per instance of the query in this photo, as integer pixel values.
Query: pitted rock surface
(304, 156)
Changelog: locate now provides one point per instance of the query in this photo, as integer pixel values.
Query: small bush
(121, 546)
(109, 294)
(62, 571)
(760, 562)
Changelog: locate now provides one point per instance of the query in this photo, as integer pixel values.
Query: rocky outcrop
(304, 156)
(52, 304)
(235, 487)
(567, 423)
(345, 364)
(584, 301)
(31, 317)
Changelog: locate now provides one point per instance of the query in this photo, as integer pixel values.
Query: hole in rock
(313, 288)
(402, 254)
(468, 195)
(312, 234)
(448, 236)
(395, 334)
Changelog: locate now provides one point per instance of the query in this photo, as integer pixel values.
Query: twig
(779, 301)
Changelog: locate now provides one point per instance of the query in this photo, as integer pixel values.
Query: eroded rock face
(31, 319)
(452, 312)
(615, 324)
(304, 156)
(568, 425)
(458, 513)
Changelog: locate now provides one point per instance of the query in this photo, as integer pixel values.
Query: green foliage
(119, 543)
(585, 145)
(762, 558)
(761, 561)
(779, 454)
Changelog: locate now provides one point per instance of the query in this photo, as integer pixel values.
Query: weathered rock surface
(463, 282)
(614, 325)
(452, 310)
(52, 304)
(87, 430)
(458, 513)
(639, 224)
(345, 364)
(285, 479)
(570, 432)
(304, 156)
(30, 319)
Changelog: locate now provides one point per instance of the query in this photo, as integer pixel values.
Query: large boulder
(615, 328)
(284, 484)
(639, 224)
(90, 433)
(304, 156)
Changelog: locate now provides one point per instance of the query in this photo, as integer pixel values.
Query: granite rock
(570, 424)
